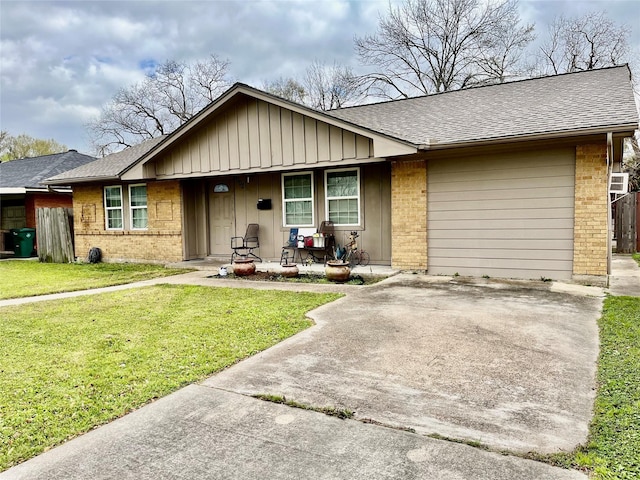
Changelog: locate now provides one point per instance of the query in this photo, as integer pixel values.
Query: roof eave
(68, 182)
(624, 130)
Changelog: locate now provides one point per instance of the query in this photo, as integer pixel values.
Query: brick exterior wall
(590, 222)
(162, 241)
(409, 215)
(41, 200)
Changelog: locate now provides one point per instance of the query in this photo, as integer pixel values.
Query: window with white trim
(113, 208)
(342, 194)
(297, 199)
(138, 207)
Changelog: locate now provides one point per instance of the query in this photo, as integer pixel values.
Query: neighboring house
(21, 190)
(508, 180)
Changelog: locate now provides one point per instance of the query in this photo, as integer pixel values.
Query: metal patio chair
(244, 246)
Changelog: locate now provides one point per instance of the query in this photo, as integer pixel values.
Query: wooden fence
(626, 210)
(53, 232)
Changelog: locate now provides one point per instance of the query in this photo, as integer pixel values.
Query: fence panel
(626, 224)
(54, 236)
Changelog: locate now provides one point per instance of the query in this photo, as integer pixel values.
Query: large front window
(138, 206)
(113, 208)
(297, 201)
(343, 196)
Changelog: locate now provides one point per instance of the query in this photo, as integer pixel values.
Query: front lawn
(19, 278)
(69, 365)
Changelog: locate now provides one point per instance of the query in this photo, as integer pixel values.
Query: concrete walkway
(215, 430)
(625, 276)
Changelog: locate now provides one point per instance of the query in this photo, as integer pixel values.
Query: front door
(221, 219)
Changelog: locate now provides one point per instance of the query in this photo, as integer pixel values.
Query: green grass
(69, 365)
(29, 278)
(612, 450)
(342, 413)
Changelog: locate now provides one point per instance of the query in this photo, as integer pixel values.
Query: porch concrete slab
(510, 364)
(625, 276)
(205, 433)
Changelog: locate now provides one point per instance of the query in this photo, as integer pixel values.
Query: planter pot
(337, 271)
(244, 267)
(289, 270)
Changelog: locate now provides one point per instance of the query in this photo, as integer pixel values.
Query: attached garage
(505, 215)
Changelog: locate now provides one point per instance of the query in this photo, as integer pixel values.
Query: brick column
(590, 219)
(409, 215)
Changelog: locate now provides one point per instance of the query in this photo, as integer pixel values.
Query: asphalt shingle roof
(110, 166)
(591, 99)
(29, 172)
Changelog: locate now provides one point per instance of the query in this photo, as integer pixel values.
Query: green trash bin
(23, 240)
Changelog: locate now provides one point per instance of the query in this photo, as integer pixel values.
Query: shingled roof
(28, 173)
(109, 167)
(590, 100)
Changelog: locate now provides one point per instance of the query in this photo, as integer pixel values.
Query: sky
(61, 61)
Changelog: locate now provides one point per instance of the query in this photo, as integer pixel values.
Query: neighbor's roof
(590, 100)
(28, 173)
(109, 167)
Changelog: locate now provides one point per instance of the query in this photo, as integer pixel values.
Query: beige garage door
(507, 215)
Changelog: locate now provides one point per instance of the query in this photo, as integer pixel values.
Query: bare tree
(322, 87)
(330, 86)
(583, 43)
(287, 88)
(163, 101)
(429, 46)
(631, 160)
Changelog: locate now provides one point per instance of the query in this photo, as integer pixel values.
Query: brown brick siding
(590, 222)
(161, 242)
(409, 215)
(34, 201)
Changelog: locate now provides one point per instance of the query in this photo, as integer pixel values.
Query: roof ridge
(476, 87)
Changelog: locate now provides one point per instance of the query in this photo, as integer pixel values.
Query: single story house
(21, 190)
(508, 180)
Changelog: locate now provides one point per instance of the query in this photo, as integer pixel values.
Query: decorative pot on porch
(243, 267)
(337, 271)
(289, 270)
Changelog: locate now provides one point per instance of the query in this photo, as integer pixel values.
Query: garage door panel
(481, 184)
(509, 215)
(506, 263)
(539, 172)
(508, 246)
(532, 214)
(517, 194)
(501, 224)
(518, 160)
(505, 234)
(513, 203)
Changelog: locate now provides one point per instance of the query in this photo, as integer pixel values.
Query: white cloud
(62, 61)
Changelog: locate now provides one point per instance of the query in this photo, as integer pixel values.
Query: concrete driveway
(509, 365)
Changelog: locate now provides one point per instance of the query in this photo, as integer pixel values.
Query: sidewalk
(625, 276)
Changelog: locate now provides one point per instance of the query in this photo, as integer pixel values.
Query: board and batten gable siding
(503, 215)
(253, 135)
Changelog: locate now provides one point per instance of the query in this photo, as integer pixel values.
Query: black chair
(244, 246)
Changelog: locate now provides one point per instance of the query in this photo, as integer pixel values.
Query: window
(113, 208)
(343, 196)
(297, 199)
(138, 206)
